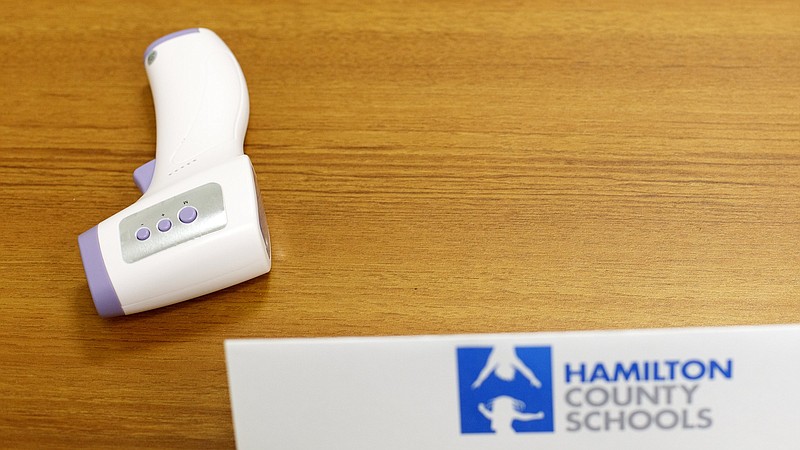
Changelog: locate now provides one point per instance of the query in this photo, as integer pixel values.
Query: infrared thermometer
(199, 225)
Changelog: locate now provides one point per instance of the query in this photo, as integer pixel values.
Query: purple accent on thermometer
(143, 175)
(187, 214)
(143, 233)
(105, 297)
(163, 39)
(164, 225)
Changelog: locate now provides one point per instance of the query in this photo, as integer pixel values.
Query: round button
(187, 214)
(143, 233)
(164, 225)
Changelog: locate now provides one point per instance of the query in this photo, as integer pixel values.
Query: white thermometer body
(199, 225)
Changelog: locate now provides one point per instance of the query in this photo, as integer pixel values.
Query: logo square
(505, 389)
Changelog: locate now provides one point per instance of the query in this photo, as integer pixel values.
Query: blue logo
(505, 389)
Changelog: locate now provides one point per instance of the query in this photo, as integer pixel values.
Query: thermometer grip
(201, 103)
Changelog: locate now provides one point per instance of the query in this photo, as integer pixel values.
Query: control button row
(187, 215)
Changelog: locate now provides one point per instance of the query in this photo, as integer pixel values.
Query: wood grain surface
(426, 167)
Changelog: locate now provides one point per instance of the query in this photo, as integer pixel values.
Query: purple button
(143, 233)
(187, 214)
(164, 225)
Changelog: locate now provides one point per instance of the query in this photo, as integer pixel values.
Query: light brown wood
(427, 168)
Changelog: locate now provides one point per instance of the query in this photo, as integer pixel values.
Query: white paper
(702, 388)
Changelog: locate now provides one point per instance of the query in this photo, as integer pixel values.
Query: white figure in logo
(504, 363)
(502, 411)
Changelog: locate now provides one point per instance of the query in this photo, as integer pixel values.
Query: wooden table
(427, 168)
